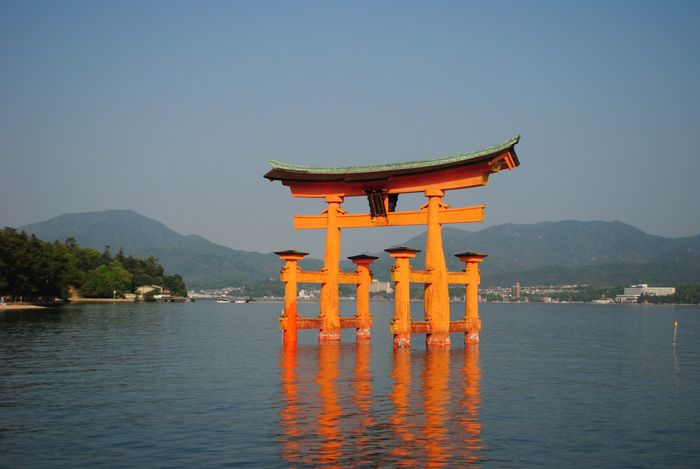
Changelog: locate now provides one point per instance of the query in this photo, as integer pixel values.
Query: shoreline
(76, 300)
(20, 307)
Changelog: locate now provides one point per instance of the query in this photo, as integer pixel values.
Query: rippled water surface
(206, 384)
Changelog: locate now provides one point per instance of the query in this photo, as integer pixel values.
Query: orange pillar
(363, 315)
(330, 317)
(471, 301)
(436, 301)
(401, 324)
(288, 320)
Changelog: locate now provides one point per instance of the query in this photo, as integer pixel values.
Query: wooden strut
(435, 278)
(291, 275)
(401, 325)
(445, 215)
(471, 323)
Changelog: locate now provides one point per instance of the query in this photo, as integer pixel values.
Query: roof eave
(287, 172)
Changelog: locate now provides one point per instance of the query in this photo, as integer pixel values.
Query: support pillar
(363, 315)
(436, 300)
(400, 274)
(288, 320)
(471, 300)
(329, 314)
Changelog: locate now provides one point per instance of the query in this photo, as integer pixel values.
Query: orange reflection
(403, 450)
(436, 398)
(332, 415)
(471, 403)
(362, 399)
(329, 417)
(290, 410)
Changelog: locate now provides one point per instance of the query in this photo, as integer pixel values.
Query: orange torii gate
(382, 184)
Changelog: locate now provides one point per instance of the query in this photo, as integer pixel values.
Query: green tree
(31, 268)
(175, 284)
(106, 279)
(149, 296)
(41, 271)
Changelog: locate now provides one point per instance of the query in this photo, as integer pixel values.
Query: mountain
(564, 252)
(571, 251)
(201, 262)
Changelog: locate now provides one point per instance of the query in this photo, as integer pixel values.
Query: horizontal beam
(353, 278)
(364, 220)
(457, 278)
(420, 276)
(315, 323)
(423, 327)
(350, 278)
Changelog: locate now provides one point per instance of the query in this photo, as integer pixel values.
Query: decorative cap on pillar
(402, 251)
(363, 259)
(291, 255)
(470, 255)
(434, 192)
(338, 199)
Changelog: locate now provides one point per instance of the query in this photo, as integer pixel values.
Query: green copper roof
(396, 166)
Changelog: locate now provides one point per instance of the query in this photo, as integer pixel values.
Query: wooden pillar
(436, 301)
(288, 320)
(329, 314)
(363, 315)
(401, 324)
(471, 300)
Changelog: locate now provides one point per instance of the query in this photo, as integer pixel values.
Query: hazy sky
(172, 109)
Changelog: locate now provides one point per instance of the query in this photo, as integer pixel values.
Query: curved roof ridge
(397, 166)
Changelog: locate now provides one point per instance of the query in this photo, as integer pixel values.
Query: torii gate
(382, 184)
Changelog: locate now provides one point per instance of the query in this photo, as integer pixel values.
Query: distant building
(632, 293)
(305, 295)
(143, 289)
(515, 292)
(380, 287)
(644, 289)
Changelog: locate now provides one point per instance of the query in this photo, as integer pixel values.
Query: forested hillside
(564, 252)
(36, 270)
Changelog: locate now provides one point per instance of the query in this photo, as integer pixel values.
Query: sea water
(208, 385)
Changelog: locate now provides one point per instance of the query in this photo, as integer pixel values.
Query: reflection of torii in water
(330, 415)
(382, 184)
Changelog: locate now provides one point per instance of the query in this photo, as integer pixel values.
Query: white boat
(223, 301)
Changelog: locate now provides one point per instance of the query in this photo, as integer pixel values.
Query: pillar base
(402, 341)
(362, 333)
(329, 336)
(471, 338)
(437, 340)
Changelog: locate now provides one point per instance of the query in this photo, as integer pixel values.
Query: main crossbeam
(419, 217)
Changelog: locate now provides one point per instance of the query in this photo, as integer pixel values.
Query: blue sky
(173, 109)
